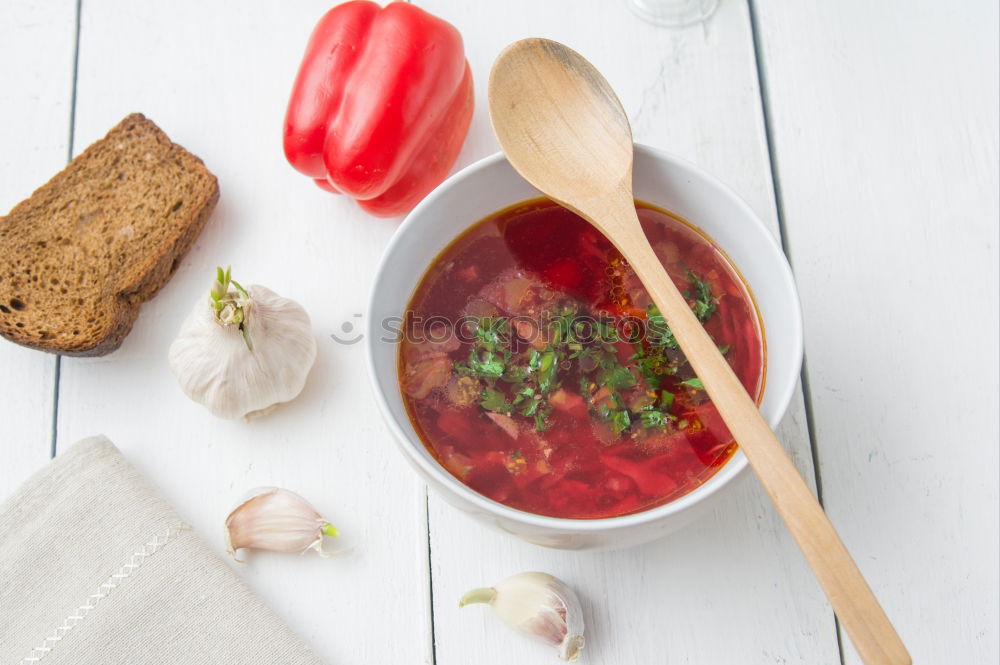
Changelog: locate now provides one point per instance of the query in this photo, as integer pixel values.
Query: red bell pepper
(381, 104)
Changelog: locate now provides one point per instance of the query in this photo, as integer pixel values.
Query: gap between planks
(430, 573)
(69, 158)
(765, 107)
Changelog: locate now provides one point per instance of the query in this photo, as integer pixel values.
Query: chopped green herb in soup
(536, 369)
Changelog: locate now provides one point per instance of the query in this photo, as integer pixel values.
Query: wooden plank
(36, 47)
(732, 588)
(217, 81)
(884, 121)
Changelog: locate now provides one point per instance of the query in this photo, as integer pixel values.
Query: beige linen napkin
(97, 569)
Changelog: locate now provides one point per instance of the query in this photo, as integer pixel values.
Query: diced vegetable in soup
(537, 371)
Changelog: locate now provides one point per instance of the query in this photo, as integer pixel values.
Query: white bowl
(660, 179)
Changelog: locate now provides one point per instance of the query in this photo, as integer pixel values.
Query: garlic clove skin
(275, 519)
(538, 605)
(215, 366)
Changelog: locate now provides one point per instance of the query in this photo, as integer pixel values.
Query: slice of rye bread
(80, 256)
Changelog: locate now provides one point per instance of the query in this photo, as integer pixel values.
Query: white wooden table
(865, 134)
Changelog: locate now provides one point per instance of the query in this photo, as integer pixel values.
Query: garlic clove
(276, 519)
(538, 605)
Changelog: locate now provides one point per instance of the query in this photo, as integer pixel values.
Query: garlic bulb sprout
(276, 519)
(243, 351)
(538, 605)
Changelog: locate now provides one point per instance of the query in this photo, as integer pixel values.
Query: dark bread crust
(80, 256)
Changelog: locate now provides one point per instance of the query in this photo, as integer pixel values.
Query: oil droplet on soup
(537, 371)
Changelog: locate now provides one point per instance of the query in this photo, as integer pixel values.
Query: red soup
(538, 372)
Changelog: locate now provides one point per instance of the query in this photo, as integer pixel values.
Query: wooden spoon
(563, 129)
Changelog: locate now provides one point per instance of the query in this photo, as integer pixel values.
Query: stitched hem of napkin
(77, 616)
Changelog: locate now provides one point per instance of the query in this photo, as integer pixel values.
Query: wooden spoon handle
(857, 608)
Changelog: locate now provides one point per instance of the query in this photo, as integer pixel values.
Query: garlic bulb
(241, 352)
(275, 519)
(539, 605)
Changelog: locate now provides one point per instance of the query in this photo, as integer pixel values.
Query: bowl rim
(413, 449)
